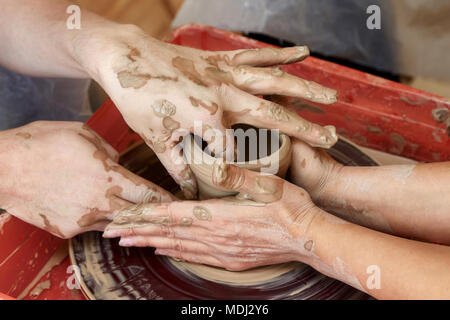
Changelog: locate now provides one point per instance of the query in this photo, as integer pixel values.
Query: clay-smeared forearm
(406, 200)
(385, 266)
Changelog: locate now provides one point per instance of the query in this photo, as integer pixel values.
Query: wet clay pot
(203, 170)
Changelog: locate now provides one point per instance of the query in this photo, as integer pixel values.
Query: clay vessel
(203, 170)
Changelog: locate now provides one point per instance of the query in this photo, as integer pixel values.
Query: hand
(64, 178)
(272, 227)
(312, 168)
(163, 89)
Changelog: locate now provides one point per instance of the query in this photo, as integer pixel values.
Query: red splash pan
(371, 111)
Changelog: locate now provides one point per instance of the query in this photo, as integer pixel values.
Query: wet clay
(274, 111)
(133, 79)
(93, 217)
(187, 68)
(134, 53)
(186, 221)
(211, 108)
(268, 189)
(270, 56)
(51, 228)
(170, 124)
(40, 287)
(164, 108)
(24, 135)
(216, 59)
(300, 105)
(254, 276)
(442, 115)
(96, 216)
(399, 143)
(309, 245)
(202, 213)
(139, 215)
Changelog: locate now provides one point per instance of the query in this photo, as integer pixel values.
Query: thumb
(250, 185)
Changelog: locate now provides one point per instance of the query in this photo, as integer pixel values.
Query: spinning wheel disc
(109, 271)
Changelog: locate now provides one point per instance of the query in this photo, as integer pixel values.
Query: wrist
(327, 188)
(304, 232)
(96, 47)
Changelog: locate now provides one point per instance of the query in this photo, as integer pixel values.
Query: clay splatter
(309, 245)
(187, 68)
(374, 129)
(164, 108)
(170, 124)
(186, 221)
(274, 111)
(300, 105)
(202, 213)
(24, 135)
(399, 142)
(93, 217)
(211, 108)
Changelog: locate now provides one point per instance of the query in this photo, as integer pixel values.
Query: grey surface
(25, 99)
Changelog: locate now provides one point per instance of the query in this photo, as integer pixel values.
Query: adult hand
(272, 227)
(64, 178)
(163, 89)
(312, 168)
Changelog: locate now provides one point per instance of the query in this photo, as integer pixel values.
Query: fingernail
(111, 233)
(303, 50)
(126, 242)
(161, 252)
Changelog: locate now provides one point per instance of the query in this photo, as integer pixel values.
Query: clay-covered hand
(163, 89)
(235, 233)
(64, 178)
(312, 168)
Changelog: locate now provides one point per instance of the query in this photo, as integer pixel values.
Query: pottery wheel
(108, 271)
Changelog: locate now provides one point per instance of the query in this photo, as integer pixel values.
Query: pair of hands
(71, 183)
(231, 233)
(166, 91)
(74, 183)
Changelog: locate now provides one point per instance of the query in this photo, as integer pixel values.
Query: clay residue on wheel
(256, 276)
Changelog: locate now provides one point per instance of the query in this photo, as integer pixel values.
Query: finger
(173, 160)
(165, 243)
(265, 81)
(148, 215)
(97, 220)
(136, 189)
(213, 130)
(155, 228)
(267, 56)
(191, 257)
(251, 185)
(266, 114)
